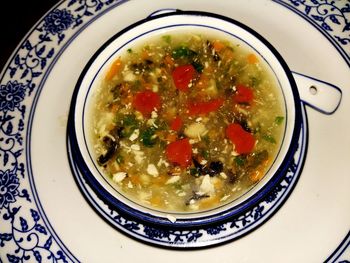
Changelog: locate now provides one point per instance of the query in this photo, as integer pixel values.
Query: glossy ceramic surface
(44, 216)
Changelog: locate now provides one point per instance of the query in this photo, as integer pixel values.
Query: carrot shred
(252, 59)
(156, 200)
(227, 55)
(218, 45)
(114, 69)
(169, 61)
(171, 137)
(145, 55)
(135, 179)
(256, 175)
(209, 202)
(202, 82)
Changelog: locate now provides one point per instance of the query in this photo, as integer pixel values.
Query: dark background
(16, 19)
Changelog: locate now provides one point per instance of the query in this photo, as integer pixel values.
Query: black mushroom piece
(196, 197)
(256, 159)
(213, 168)
(232, 177)
(241, 119)
(111, 144)
(214, 54)
(143, 66)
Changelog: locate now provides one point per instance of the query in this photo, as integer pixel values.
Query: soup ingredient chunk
(186, 122)
(179, 152)
(244, 141)
(182, 76)
(146, 101)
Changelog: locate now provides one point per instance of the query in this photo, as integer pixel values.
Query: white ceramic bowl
(180, 21)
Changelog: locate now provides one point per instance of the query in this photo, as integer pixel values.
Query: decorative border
(200, 220)
(26, 233)
(330, 17)
(213, 234)
(25, 229)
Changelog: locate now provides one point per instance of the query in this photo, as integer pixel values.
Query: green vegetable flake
(130, 120)
(239, 160)
(198, 67)
(279, 120)
(269, 138)
(183, 52)
(129, 50)
(127, 124)
(194, 171)
(205, 154)
(255, 81)
(119, 159)
(167, 38)
(148, 137)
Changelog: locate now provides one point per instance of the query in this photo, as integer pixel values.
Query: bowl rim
(196, 221)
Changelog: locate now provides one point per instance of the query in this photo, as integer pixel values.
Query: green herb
(119, 159)
(148, 137)
(206, 139)
(126, 131)
(255, 81)
(130, 120)
(183, 52)
(269, 138)
(194, 171)
(167, 38)
(258, 158)
(162, 126)
(205, 154)
(129, 50)
(198, 67)
(279, 120)
(239, 160)
(127, 124)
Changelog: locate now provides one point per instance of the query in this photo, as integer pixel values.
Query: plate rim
(288, 4)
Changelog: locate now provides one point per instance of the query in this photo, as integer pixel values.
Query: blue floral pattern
(23, 232)
(58, 21)
(8, 188)
(11, 96)
(331, 16)
(226, 230)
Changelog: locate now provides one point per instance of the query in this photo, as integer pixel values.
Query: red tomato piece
(244, 141)
(182, 76)
(204, 107)
(180, 152)
(146, 101)
(243, 95)
(176, 124)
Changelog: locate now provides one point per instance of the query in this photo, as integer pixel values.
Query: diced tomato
(244, 141)
(146, 101)
(204, 107)
(179, 152)
(243, 95)
(176, 124)
(182, 76)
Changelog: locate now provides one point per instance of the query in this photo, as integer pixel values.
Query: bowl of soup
(184, 119)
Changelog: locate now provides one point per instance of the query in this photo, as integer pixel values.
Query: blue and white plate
(49, 214)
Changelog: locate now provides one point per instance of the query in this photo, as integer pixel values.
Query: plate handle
(163, 11)
(320, 95)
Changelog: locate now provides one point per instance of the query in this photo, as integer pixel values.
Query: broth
(186, 122)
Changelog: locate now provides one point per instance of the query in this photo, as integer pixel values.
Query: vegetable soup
(186, 122)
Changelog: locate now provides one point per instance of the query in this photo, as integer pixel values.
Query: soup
(186, 122)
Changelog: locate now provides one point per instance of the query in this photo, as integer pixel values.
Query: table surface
(14, 27)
